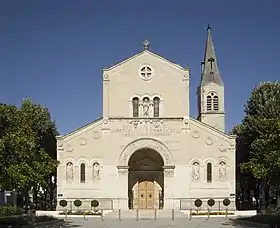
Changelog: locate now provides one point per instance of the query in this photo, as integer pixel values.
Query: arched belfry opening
(145, 179)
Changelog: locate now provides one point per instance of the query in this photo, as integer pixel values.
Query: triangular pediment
(88, 127)
(213, 131)
(139, 55)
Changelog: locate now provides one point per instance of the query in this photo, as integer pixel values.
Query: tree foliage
(258, 142)
(27, 146)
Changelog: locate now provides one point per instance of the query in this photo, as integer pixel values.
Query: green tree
(27, 147)
(45, 129)
(259, 136)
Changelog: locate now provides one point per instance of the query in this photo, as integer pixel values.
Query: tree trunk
(278, 198)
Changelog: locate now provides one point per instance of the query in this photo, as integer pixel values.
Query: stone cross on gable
(146, 44)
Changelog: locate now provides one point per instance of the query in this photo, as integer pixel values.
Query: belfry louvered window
(212, 102)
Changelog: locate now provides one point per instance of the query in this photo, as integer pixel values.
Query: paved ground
(147, 223)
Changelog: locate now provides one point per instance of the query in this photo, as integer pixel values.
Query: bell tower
(210, 92)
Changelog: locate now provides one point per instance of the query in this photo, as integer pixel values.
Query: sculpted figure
(96, 171)
(195, 171)
(222, 171)
(69, 171)
(146, 106)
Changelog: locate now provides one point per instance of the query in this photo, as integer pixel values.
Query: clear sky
(53, 50)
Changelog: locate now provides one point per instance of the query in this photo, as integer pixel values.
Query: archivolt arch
(146, 143)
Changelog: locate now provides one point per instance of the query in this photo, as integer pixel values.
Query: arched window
(135, 104)
(216, 103)
(156, 107)
(209, 103)
(212, 102)
(83, 173)
(209, 172)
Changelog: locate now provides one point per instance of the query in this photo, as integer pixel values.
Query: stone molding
(146, 143)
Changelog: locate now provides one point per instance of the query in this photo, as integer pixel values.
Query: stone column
(169, 187)
(122, 191)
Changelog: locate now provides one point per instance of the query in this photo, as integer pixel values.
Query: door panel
(146, 195)
(150, 195)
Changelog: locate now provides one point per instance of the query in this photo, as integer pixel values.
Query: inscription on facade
(146, 129)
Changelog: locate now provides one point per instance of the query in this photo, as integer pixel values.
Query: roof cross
(146, 44)
(211, 60)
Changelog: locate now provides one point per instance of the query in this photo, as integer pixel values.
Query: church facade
(146, 151)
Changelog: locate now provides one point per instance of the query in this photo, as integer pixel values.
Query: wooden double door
(146, 195)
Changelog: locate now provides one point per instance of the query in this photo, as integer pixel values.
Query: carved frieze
(144, 128)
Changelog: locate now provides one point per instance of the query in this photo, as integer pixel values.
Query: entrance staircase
(146, 214)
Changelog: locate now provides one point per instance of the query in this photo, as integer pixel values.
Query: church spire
(210, 71)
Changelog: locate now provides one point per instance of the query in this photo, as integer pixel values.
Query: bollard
(155, 214)
(190, 214)
(173, 214)
(84, 214)
(102, 215)
(137, 214)
(120, 217)
(65, 213)
(226, 213)
(208, 213)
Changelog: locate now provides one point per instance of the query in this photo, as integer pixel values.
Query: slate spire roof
(210, 71)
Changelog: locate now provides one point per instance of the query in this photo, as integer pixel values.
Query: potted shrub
(198, 204)
(94, 204)
(226, 203)
(211, 203)
(78, 203)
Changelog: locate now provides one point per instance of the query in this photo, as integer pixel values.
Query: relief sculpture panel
(142, 128)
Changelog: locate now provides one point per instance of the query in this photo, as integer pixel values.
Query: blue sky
(53, 50)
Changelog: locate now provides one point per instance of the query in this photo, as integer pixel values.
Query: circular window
(146, 72)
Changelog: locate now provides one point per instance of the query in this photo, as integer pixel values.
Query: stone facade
(179, 157)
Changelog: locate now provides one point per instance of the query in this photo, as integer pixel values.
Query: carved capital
(169, 172)
(123, 170)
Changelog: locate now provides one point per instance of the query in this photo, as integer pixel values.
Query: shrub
(63, 203)
(94, 203)
(77, 203)
(211, 202)
(226, 202)
(8, 210)
(198, 202)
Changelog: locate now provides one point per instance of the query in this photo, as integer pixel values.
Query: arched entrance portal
(145, 179)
